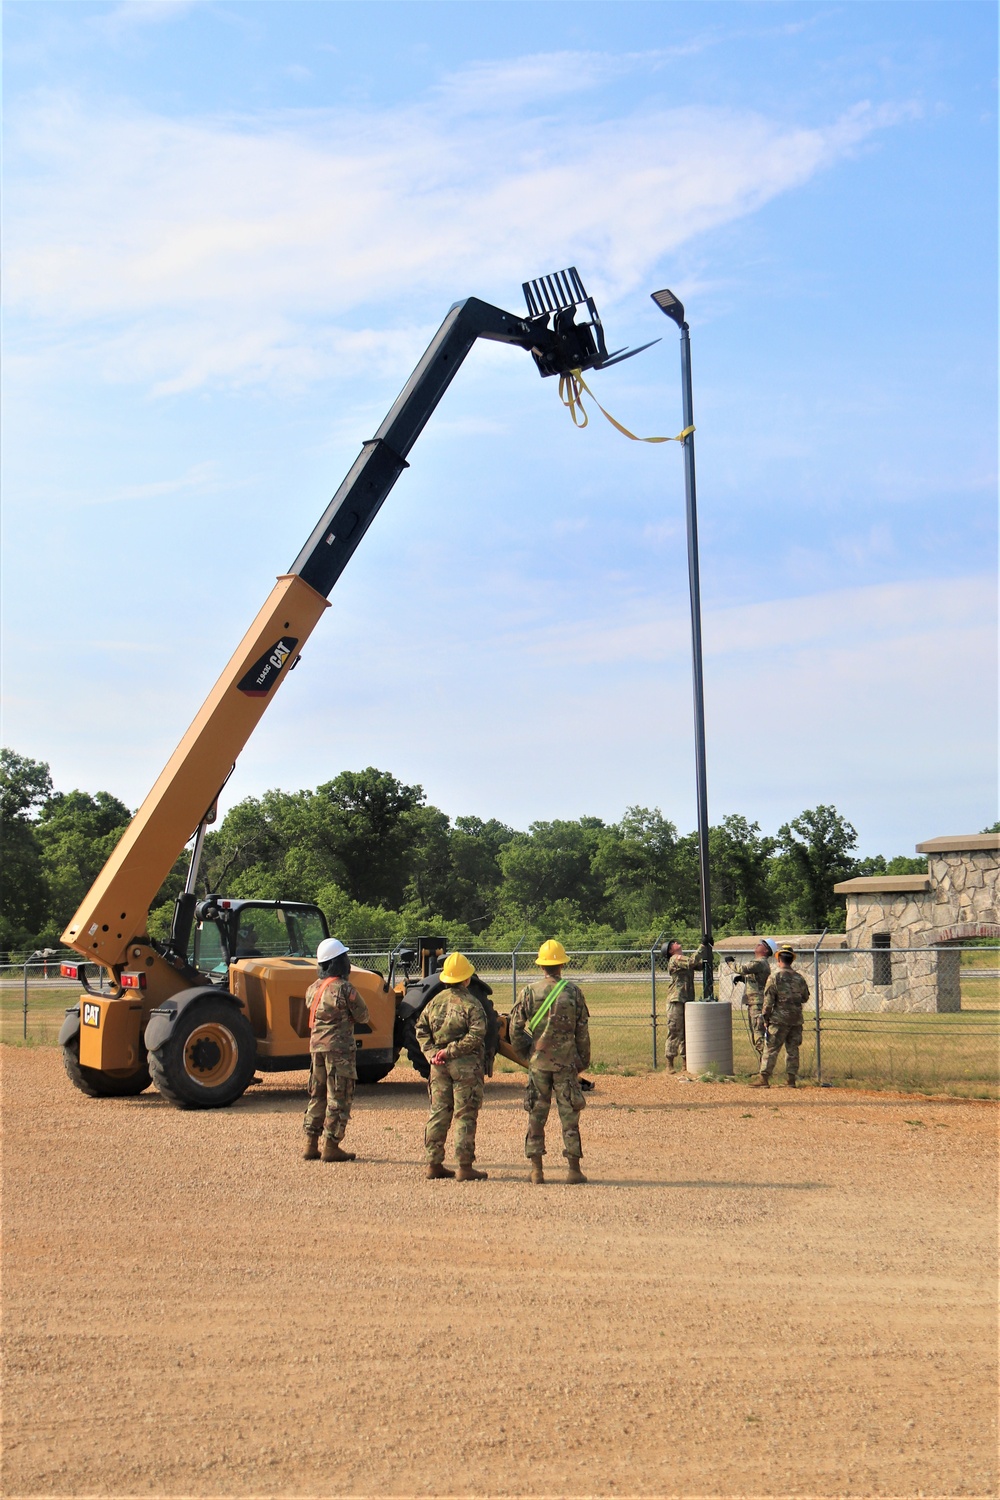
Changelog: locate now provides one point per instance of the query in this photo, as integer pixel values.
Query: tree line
(386, 865)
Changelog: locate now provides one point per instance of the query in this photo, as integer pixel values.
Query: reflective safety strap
(314, 1007)
(570, 388)
(546, 1006)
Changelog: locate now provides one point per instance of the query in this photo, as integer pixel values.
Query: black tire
(369, 1073)
(98, 1085)
(208, 1060)
(410, 1045)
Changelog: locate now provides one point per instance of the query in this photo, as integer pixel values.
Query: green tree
(76, 832)
(815, 855)
(551, 864)
(739, 863)
(361, 822)
(476, 846)
(900, 864)
(643, 869)
(24, 785)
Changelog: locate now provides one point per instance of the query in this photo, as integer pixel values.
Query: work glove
(739, 979)
(706, 941)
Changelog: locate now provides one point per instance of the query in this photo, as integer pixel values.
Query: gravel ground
(758, 1294)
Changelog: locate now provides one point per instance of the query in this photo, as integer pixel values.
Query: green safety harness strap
(546, 1006)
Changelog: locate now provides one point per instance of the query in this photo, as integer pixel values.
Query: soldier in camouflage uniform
(451, 1030)
(784, 996)
(335, 1007)
(549, 1028)
(754, 977)
(680, 992)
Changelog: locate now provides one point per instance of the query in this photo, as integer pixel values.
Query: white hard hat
(329, 949)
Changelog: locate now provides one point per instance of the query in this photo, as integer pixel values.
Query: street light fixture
(674, 308)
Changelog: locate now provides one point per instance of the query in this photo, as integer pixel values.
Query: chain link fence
(912, 1019)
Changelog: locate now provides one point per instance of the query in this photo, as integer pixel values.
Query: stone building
(900, 948)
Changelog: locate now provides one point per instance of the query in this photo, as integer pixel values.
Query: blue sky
(232, 228)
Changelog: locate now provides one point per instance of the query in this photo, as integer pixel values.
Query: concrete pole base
(708, 1036)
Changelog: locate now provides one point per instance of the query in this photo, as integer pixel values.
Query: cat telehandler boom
(224, 995)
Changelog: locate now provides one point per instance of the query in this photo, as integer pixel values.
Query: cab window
(209, 954)
(305, 933)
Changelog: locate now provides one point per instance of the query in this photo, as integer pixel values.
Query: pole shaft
(819, 1040)
(24, 1020)
(697, 671)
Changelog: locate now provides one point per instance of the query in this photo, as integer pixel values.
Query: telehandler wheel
(98, 1085)
(410, 1045)
(208, 1059)
(369, 1074)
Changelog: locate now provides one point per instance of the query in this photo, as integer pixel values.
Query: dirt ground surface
(758, 1293)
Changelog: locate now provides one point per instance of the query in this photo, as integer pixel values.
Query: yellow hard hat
(551, 954)
(456, 969)
(786, 951)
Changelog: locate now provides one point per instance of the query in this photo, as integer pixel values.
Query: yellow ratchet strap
(571, 387)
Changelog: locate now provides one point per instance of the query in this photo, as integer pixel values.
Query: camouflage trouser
(330, 1096)
(456, 1090)
(675, 1028)
(787, 1034)
(542, 1084)
(758, 1026)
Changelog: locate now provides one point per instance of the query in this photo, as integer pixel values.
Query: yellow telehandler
(224, 995)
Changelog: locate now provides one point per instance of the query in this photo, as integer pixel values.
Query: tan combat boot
(573, 1173)
(759, 1081)
(791, 1082)
(438, 1169)
(311, 1150)
(332, 1152)
(468, 1173)
(670, 1064)
(537, 1175)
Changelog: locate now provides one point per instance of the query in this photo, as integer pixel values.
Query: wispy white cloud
(198, 251)
(132, 14)
(198, 478)
(844, 618)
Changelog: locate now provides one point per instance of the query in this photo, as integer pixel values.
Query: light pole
(674, 308)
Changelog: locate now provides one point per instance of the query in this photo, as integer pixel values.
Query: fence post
(24, 1021)
(819, 1047)
(652, 984)
(513, 969)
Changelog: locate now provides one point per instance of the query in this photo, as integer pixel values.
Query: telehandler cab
(224, 995)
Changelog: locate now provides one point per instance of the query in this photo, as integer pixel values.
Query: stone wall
(908, 916)
(925, 981)
(956, 900)
(964, 888)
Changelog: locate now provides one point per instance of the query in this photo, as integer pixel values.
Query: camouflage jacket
(340, 1006)
(563, 1039)
(785, 993)
(454, 1023)
(756, 975)
(680, 975)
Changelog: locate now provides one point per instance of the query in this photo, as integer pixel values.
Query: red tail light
(133, 981)
(69, 971)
